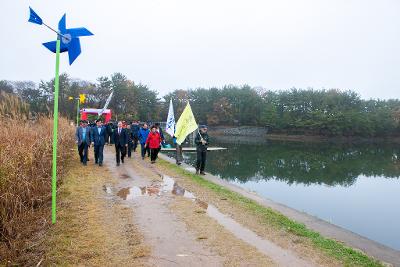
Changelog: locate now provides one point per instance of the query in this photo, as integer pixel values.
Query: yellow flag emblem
(185, 125)
(82, 98)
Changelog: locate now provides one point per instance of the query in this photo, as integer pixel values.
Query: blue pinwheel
(69, 37)
(67, 40)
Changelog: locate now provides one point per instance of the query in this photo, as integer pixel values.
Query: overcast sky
(182, 44)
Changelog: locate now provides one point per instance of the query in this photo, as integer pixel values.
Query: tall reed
(25, 176)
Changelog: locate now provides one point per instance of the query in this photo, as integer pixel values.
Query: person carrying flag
(202, 140)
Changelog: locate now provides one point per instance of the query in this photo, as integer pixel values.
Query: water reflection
(354, 186)
(319, 163)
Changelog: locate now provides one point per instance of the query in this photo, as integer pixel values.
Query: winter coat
(143, 134)
(200, 145)
(153, 140)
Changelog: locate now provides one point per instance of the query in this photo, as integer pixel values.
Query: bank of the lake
(279, 218)
(249, 132)
(354, 186)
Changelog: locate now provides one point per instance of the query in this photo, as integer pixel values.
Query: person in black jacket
(130, 139)
(120, 138)
(110, 133)
(135, 134)
(202, 141)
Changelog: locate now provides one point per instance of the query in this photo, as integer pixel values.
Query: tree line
(296, 111)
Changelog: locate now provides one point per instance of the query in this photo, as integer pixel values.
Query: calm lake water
(354, 186)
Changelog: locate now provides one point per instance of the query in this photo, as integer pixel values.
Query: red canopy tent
(95, 111)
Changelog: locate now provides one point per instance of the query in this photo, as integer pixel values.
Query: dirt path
(182, 229)
(172, 244)
(93, 228)
(139, 214)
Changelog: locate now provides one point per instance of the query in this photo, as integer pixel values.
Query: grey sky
(181, 44)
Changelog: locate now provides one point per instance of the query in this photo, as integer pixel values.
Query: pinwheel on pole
(67, 40)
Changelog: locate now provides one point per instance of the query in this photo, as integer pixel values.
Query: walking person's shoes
(142, 158)
(100, 164)
(117, 163)
(122, 160)
(84, 164)
(202, 173)
(152, 162)
(96, 162)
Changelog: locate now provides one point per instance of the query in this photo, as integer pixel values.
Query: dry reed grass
(13, 107)
(25, 175)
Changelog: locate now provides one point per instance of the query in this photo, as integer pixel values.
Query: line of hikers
(126, 137)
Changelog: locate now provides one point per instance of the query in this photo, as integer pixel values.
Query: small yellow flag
(185, 125)
(70, 98)
(82, 98)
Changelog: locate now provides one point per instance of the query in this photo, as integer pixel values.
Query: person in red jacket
(153, 142)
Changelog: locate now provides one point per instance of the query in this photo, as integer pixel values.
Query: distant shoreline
(262, 133)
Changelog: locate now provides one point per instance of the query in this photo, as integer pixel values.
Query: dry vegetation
(25, 176)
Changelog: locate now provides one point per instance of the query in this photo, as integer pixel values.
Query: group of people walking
(127, 136)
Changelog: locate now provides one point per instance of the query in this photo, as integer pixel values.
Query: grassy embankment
(271, 218)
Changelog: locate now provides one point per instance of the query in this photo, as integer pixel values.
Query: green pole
(77, 113)
(55, 130)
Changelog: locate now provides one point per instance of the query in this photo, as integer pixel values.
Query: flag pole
(55, 130)
(77, 112)
(197, 127)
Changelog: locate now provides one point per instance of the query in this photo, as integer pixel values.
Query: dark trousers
(110, 139)
(135, 143)
(201, 159)
(98, 153)
(120, 152)
(179, 157)
(130, 146)
(144, 150)
(154, 153)
(83, 152)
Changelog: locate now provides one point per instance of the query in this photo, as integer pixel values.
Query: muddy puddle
(129, 193)
(169, 185)
(125, 176)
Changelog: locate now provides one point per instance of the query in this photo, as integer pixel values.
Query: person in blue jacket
(82, 139)
(99, 136)
(143, 134)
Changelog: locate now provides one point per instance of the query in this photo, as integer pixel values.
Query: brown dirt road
(142, 214)
(183, 229)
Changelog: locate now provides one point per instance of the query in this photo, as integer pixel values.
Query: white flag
(106, 105)
(170, 128)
